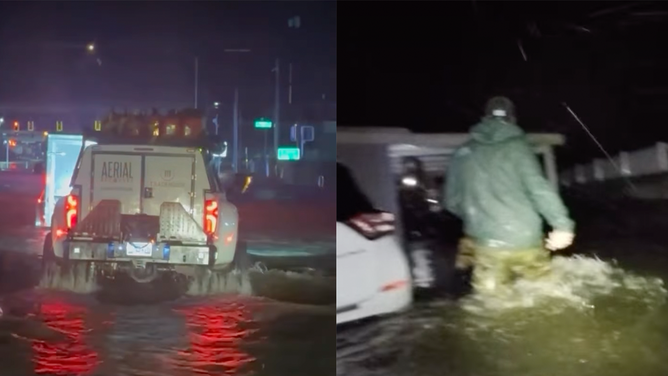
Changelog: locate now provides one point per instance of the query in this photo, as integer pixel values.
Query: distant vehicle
(144, 209)
(373, 275)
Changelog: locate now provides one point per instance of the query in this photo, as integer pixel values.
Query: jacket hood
(493, 130)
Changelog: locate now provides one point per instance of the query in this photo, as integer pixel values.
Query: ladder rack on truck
(185, 128)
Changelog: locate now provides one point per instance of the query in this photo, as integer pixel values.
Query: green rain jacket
(495, 184)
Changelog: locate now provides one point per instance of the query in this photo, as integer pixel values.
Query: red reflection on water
(69, 356)
(215, 335)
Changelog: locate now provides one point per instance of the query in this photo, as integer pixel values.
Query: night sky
(146, 50)
(430, 66)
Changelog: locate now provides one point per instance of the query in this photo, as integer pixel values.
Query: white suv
(372, 272)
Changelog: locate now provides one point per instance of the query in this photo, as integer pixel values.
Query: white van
(144, 210)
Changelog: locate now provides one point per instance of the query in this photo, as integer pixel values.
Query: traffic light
(98, 125)
(59, 126)
(31, 126)
(16, 126)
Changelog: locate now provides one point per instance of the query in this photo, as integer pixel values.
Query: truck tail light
(210, 216)
(71, 211)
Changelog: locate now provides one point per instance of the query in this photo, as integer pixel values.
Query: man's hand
(557, 240)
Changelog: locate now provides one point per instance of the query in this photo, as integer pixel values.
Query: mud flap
(241, 259)
(48, 256)
(212, 255)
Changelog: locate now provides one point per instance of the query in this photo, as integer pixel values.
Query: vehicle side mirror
(242, 182)
(236, 183)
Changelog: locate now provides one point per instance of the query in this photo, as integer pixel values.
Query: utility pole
(290, 84)
(240, 137)
(196, 80)
(235, 136)
(277, 105)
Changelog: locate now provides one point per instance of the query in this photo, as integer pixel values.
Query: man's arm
(543, 194)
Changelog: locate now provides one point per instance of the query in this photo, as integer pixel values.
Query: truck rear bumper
(160, 253)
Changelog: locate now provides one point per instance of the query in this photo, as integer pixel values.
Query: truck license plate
(139, 249)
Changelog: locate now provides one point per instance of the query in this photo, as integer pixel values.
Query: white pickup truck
(144, 210)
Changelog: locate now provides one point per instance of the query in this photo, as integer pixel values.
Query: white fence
(644, 162)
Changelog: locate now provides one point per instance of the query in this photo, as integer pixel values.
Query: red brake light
(373, 225)
(71, 211)
(210, 216)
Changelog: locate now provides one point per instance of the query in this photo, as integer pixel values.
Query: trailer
(375, 155)
(62, 153)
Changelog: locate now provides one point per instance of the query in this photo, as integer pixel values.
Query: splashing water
(296, 287)
(80, 278)
(575, 282)
(221, 282)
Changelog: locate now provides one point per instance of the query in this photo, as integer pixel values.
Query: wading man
(495, 184)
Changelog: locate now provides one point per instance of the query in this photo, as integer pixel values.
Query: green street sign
(288, 154)
(263, 123)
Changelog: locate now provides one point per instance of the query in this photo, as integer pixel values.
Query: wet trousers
(495, 269)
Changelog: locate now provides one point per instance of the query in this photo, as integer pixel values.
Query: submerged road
(602, 311)
(282, 325)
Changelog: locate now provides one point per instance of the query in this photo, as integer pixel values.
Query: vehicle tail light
(71, 211)
(210, 216)
(373, 225)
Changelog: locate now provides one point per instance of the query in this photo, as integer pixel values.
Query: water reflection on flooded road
(216, 335)
(54, 331)
(70, 354)
(71, 334)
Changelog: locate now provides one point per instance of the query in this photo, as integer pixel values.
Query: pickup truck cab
(145, 210)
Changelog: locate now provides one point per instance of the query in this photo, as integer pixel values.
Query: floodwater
(265, 322)
(592, 318)
(268, 322)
